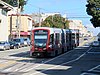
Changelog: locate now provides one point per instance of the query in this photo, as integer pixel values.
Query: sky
(72, 8)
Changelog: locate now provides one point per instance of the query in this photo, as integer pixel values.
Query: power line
(78, 17)
(37, 7)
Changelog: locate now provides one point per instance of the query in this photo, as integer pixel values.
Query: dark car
(95, 44)
(19, 41)
(13, 45)
(85, 39)
(99, 39)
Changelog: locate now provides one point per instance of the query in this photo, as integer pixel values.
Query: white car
(4, 45)
(95, 44)
(26, 41)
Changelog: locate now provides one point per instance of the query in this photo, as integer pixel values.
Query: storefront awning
(22, 33)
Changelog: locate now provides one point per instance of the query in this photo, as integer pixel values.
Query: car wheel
(9, 48)
(17, 47)
(14, 47)
(4, 49)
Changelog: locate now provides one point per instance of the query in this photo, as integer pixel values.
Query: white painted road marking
(60, 64)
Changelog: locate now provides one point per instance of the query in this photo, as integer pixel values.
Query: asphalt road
(83, 60)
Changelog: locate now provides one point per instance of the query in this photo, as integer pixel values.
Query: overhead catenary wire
(40, 10)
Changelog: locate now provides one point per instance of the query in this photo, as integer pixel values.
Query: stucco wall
(25, 23)
(3, 28)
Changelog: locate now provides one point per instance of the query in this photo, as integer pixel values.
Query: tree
(15, 3)
(93, 9)
(55, 21)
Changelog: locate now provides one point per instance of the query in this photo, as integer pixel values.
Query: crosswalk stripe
(6, 64)
(14, 68)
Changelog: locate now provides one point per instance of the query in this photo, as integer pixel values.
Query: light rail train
(46, 41)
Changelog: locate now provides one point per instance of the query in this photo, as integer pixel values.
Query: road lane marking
(94, 52)
(45, 61)
(78, 57)
(94, 68)
(1, 61)
(90, 70)
(14, 68)
(6, 64)
(62, 63)
(37, 65)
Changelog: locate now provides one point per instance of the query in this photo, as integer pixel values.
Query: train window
(73, 35)
(51, 38)
(57, 36)
(70, 37)
(67, 37)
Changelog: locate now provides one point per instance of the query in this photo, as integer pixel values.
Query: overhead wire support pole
(18, 22)
(39, 17)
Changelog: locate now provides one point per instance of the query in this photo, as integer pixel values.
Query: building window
(4, 12)
(0, 20)
(29, 24)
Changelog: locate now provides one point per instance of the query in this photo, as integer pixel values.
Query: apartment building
(77, 24)
(19, 24)
(4, 8)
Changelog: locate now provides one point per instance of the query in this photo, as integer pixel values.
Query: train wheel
(62, 50)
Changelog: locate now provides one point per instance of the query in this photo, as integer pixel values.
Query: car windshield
(11, 42)
(25, 39)
(16, 40)
(96, 42)
(2, 42)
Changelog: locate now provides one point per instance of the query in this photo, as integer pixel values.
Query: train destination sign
(41, 32)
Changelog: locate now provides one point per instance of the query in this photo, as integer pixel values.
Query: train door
(58, 47)
(51, 43)
(67, 40)
(77, 37)
(70, 40)
(55, 40)
(73, 39)
(63, 41)
(75, 33)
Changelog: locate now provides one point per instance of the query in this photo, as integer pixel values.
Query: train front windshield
(40, 38)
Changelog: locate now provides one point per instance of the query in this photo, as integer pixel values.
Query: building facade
(4, 8)
(77, 24)
(19, 24)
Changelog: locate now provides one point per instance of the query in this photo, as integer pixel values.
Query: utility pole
(52, 21)
(39, 17)
(17, 21)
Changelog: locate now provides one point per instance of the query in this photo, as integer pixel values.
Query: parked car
(4, 45)
(85, 38)
(13, 45)
(99, 39)
(19, 41)
(26, 41)
(95, 44)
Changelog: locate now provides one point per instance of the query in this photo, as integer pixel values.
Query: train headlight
(50, 46)
(44, 48)
(36, 48)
